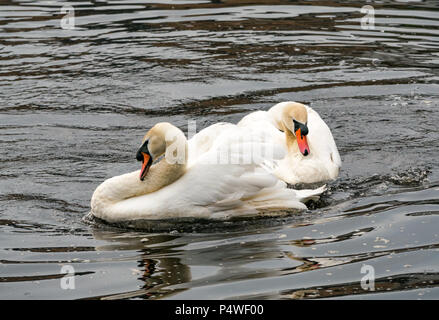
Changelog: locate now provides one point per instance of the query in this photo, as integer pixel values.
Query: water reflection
(155, 268)
(403, 282)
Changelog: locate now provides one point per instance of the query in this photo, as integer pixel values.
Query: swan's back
(204, 140)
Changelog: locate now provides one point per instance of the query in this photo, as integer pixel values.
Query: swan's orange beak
(147, 160)
(303, 144)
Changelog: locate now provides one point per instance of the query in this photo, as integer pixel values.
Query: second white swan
(312, 155)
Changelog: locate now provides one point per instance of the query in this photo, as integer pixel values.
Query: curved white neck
(291, 141)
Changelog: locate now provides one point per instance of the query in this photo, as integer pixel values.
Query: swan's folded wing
(221, 191)
(230, 176)
(204, 140)
(248, 145)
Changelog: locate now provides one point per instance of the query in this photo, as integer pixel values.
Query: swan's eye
(302, 126)
(304, 130)
(144, 149)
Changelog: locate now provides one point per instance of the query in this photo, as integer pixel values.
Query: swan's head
(295, 118)
(155, 143)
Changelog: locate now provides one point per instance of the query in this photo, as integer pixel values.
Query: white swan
(312, 154)
(206, 189)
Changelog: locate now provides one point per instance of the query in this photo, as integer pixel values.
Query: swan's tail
(310, 194)
(280, 197)
(273, 200)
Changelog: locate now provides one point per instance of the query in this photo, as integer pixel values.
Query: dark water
(74, 105)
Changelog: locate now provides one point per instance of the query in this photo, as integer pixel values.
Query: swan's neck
(291, 141)
(171, 167)
(129, 185)
(162, 174)
(279, 115)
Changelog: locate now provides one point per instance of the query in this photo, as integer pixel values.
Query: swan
(311, 153)
(168, 187)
